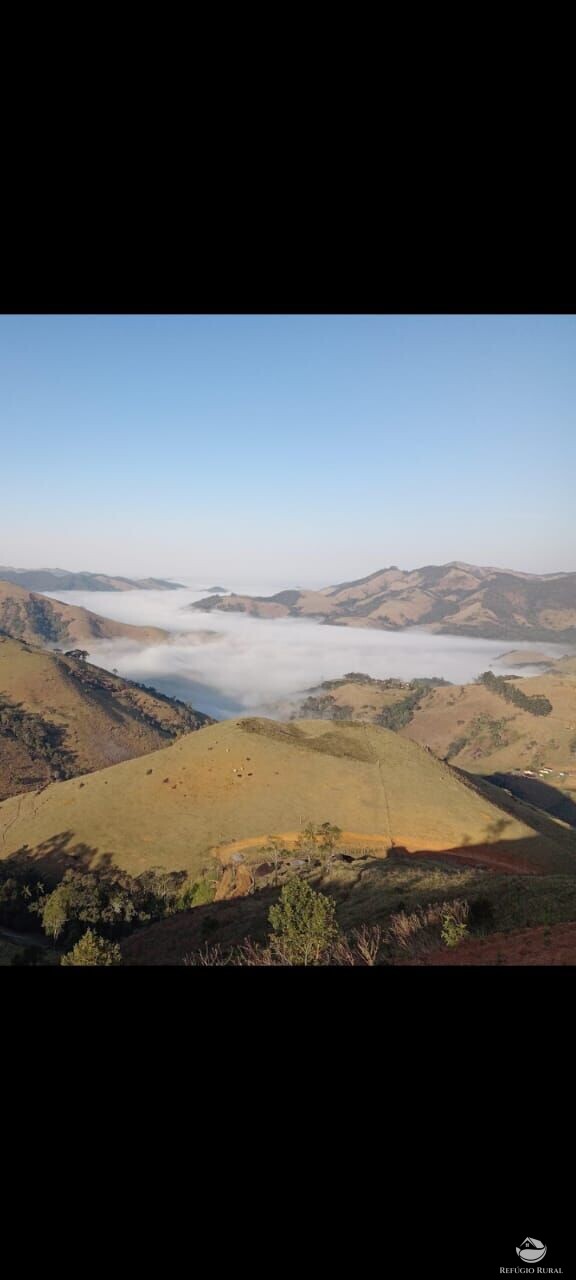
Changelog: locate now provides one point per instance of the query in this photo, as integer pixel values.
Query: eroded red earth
(541, 945)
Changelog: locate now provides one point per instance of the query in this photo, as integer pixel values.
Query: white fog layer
(230, 664)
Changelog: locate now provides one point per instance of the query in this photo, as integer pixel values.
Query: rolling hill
(217, 794)
(64, 580)
(471, 725)
(60, 717)
(451, 599)
(25, 615)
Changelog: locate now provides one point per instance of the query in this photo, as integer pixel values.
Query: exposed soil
(542, 945)
(485, 856)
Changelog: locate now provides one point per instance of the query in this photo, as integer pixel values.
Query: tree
(55, 912)
(318, 840)
(275, 850)
(93, 950)
(328, 836)
(304, 924)
(80, 654)
(306, 842)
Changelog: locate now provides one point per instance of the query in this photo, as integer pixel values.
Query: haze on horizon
(289, 450)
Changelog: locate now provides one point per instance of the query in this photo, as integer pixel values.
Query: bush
(453, 930)
(413, 934)
(93, 950)
(202, 892)
(361, 947)
(304, 924)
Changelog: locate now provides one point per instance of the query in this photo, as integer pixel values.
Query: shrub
(453, 930)
(303, 923)
(421, 930)
(93, 950)
(202, 892)
(362, 947)
(196, 894)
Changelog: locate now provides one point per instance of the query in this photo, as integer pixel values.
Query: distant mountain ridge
(64, 580)
(450, 599)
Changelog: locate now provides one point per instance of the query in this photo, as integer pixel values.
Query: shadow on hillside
(225, 923)
(530, 855)
(42, 739)
(58, 854)
(360, 891)
(541, 794)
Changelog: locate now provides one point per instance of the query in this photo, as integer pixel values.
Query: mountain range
(64, 580)
(442, 793)
(450, 599)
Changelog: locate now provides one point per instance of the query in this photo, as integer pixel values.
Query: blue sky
(292, 449)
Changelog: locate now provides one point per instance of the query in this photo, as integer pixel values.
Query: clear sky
(296, 449)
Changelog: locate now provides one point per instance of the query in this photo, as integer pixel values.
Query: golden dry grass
(19, 618)
(103, 722)
(251, 778)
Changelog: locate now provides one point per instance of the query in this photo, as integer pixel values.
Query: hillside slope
(452, 599)
(471, 725)
(64, 580)
(230, 785)
(60, 717)
(483, 733)
(24, 615)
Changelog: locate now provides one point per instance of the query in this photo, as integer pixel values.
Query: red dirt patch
(541, 945)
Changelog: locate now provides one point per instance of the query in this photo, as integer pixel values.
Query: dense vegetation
(401, 713)
(113, 900)
(43, 739)
(394, 717)
(537, 705)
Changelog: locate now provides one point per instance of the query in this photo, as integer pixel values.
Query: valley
(439, 790)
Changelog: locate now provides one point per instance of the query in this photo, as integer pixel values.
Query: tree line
(536, 704)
